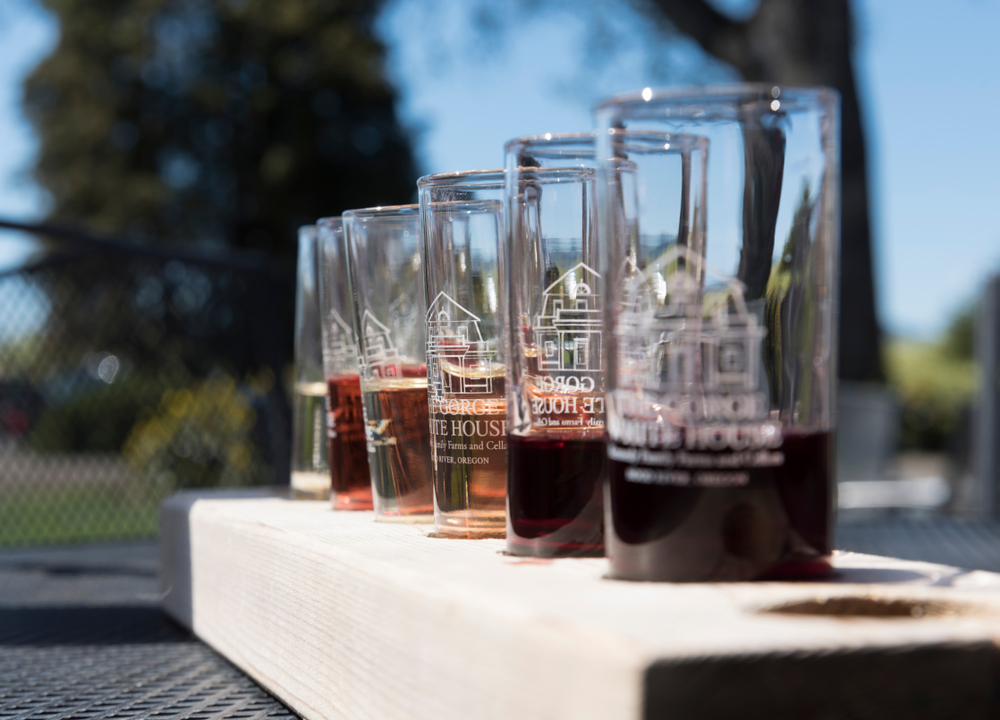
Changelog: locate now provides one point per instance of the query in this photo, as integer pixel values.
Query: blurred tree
(805, 42)
(935, 384)
(932, 386)
(960, 337)
(216, 122)
(213, 123)
(794, 42)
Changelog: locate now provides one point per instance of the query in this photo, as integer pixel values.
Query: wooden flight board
(342, 617)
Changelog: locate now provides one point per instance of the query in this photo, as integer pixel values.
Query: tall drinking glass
(310, 468)
(386, 269)
(462, 220)
(349, 479)
(720, 327)
(555, 376)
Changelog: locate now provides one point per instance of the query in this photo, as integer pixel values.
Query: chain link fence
(129, 372)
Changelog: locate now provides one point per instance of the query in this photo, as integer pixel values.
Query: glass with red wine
(555, 376)
(720, 262)
(385, 261)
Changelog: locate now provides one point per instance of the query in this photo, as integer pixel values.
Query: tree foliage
(217, 122)
(786, 42)
(935, 383)
(806, 42)
(208, 123)
(960, 337)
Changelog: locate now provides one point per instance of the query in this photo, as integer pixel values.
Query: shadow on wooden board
(916, 683)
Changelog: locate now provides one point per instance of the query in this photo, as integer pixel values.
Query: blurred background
(157, 156)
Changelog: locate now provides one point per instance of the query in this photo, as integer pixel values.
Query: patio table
(82, 633)
(82, 636)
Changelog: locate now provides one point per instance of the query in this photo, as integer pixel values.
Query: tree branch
(806, 42)
(717, 34)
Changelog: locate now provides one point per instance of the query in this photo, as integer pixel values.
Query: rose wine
(310, 472)
(349, 478)
(694, 513)
(555, 495)
(398, 442)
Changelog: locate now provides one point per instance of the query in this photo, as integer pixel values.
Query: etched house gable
(459, 361)
(731, 349)
(341, 343)
(568, 330)
(381, 358)
(681, 290)
(715, 353)
(635, 323)
(677, 356)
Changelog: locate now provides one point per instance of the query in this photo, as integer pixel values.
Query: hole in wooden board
(869, 607)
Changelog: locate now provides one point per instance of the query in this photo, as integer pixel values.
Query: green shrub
(933, 382)
(202, 436)
(98, 419)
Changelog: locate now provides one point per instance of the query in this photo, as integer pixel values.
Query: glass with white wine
(310, 464)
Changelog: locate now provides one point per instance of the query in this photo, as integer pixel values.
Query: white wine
(310, 462)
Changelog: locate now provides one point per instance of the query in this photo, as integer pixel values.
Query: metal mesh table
(82, 636)
(966, 543)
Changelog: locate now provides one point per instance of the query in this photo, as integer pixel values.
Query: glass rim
(332, 220)
(571, 173)
(306, 229)
(657, 140)
(381, 211)
(550, 140)
(448, 207)
(721, 94)
(478, 178)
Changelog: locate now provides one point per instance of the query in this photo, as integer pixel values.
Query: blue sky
(931, 75)
(27, 34)
(930, 82)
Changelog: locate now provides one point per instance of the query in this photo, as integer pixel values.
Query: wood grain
(341, 617)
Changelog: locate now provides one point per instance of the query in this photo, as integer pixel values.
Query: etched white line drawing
(455, 346)
(677, 337)
(568, 330)
(381, 358)
(341, 344)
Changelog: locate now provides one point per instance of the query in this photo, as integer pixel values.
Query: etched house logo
(341, 346)
(459, 361)
(720, 351)
(381, 358)
(568, 332)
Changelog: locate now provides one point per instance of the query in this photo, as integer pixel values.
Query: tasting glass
(310, 469)
(462, 221)
(722, 296)
(350, 483)
(555, 378)
(386, 271)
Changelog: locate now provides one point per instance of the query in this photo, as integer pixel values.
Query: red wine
(555, 495)
(719, 515)
(349, 478)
